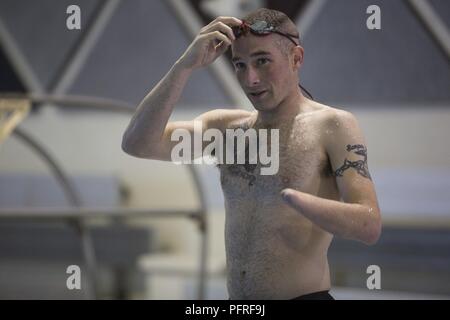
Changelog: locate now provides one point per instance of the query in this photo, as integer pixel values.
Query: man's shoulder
(336, 125)
(332, 122)
(329, 115)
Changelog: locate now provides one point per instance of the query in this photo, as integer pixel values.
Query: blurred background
(143, 229)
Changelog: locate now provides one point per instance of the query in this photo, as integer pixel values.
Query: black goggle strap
(262, 28)
(289, 36)
(306, 91)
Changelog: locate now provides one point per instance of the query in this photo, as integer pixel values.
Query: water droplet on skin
(337, 124)
(370, 210)
(329, 131)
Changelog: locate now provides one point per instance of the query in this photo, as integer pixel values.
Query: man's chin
(263, 106)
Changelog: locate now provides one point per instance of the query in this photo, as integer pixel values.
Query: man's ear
(298, 53)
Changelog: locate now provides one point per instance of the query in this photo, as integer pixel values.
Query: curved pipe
(74, 199)
(69, 190)
(104, 104)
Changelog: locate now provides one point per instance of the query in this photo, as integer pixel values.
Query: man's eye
(239, 65)
(262, 61)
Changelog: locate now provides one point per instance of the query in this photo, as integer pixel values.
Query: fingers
(219, 26)
(218, 45)
(218, 36)
(230, 21)
(224, 42)
(222, 24)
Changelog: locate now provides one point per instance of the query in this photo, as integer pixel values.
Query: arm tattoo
(359, 165)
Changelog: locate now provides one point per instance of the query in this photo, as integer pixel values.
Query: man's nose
(251, 77)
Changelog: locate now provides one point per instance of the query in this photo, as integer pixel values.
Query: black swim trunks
(320, 295)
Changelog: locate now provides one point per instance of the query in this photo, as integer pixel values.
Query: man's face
(264, 72)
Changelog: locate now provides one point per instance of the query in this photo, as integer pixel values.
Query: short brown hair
(279, 20)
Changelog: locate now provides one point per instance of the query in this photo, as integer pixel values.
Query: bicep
(183, 132)
(173, 129)
(176, 131)
(347, 150)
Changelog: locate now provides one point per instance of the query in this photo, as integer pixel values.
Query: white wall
(408, 137)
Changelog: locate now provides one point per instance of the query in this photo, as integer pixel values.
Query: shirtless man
(278, 227)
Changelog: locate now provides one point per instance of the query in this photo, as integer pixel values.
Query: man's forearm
(347, 220)
(150, 119)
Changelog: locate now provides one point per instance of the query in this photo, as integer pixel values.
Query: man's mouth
(257, 94)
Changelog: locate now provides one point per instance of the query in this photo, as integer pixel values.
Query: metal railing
(77, 214)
